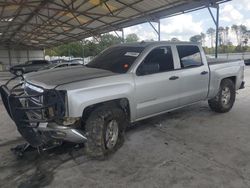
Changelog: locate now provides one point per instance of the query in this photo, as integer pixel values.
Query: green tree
(196, 38)
(211, 33)
(236, 30)
(221, 31)
(174, 39)
(203, 39)
(243, 30)
(132, 38)
(84, 48)
(246, 38)
(227, 41)
(106, 41)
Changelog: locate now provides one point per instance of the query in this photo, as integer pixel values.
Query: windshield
(116, 59)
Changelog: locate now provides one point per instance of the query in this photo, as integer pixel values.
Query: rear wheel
(224, 100)
(105, 129)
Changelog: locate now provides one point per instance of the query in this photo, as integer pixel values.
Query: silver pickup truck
(124, 84)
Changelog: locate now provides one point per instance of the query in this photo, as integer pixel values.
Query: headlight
(37, 89)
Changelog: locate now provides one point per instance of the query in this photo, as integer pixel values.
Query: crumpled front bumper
(33, 121)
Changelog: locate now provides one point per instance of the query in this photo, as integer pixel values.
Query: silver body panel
(148, 95)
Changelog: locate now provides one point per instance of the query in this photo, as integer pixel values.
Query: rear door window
(190, 56)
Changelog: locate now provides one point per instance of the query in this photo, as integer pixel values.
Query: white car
(60, 65)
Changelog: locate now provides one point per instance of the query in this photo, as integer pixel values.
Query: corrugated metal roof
(49, 23)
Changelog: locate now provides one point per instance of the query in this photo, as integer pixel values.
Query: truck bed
(214, 61)
(224, 68)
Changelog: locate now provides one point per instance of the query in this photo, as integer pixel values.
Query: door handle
(173, 77)
(204, 72)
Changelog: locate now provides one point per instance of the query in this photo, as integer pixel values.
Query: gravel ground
(190, 147)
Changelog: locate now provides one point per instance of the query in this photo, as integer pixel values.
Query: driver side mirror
(146, 69)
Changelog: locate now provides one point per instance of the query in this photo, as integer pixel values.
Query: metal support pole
(217, 32)
(69, 54)
(159, 30)
(123, 39)
(216, 22)
(82, 50)
(28, 55)
(44, 54)
(9, 54)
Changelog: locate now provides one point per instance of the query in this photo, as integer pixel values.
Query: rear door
(157, 84)
(194, 74)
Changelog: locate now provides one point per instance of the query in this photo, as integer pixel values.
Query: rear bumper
(37, 130)
(242, 86)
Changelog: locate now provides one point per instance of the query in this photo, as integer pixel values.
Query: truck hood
(52, 78)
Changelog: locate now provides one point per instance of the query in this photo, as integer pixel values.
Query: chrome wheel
(112, 133)
(225, 95)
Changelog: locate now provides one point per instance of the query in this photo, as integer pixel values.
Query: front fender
(78, 100)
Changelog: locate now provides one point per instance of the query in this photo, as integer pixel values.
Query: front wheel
(105, 129)
(224, 100)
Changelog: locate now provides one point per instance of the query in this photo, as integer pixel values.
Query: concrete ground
(4, 75)
(190, 147)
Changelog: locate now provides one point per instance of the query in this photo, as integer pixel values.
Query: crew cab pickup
(94, 104)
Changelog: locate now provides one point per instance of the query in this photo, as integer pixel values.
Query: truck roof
(153, 43)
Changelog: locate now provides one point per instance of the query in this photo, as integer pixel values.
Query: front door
(157, 84)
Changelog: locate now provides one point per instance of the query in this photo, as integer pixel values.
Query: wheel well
(233, 78)
(122, 103)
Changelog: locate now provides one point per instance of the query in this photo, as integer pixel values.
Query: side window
(42, 62)
(38, 62)
(190, 56)
(158, 60)
(74, 64)
(63, 65)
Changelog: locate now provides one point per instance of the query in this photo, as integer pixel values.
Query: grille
(47, 105)
(28, 104)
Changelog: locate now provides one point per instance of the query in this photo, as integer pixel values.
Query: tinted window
(39, 62)
(63, 65)
(158, 60)
(116, 59)
(190, 56)
(74, 64)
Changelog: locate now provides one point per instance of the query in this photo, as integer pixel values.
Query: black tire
(222, 103)
(18, 72)
(96, 127)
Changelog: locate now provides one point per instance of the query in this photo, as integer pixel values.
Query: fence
(244, 55)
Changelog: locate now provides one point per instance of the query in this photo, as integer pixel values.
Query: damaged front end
(40, 114)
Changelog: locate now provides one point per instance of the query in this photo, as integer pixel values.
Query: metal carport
(48, 23)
